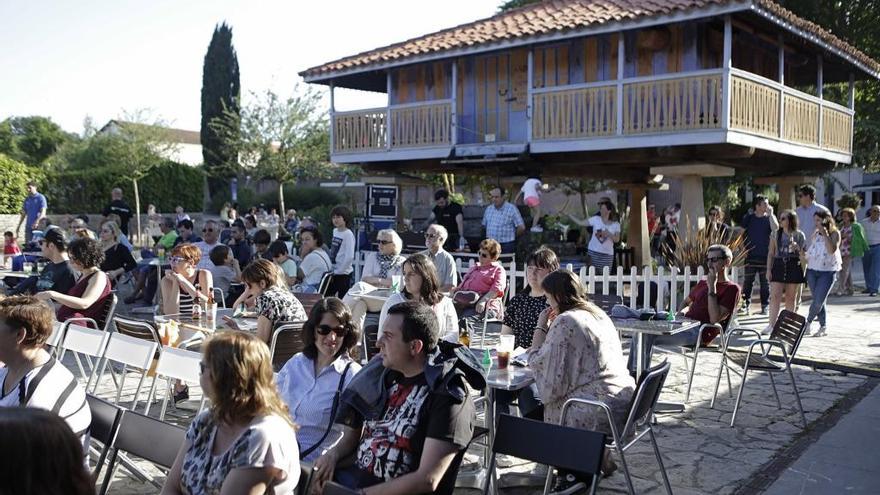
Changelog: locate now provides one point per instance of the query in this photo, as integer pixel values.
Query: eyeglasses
(207, 230)
(384, 241)
(429, 235)
(340, 331)
(714, 259)
(176, 260)
(484, 254)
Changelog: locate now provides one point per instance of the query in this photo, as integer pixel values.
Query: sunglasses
(174, 260)
(384, 242)
(431, 236)
(340, 331)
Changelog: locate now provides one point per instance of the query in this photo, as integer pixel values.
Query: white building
(188, 145)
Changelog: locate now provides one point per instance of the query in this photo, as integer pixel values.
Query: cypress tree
(221, 89)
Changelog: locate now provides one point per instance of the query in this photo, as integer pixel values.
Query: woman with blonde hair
(245, 442)
(117, 258)
(266, 289)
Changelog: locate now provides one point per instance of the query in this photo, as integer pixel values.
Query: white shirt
(872, 231)
(805, 219)
(342, 251)
(314, 266)
(205, 248)
(530, 188)
(595, 244)
(447, 318)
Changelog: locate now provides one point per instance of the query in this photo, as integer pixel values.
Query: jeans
(530, 405)
(871, 265)
(820, 284)
(688, 337)
(756, 268)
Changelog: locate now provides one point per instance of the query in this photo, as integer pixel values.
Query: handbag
(304, 453)
(465, 298)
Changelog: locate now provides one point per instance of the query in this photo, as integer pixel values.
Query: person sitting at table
(185, 233)
(266, 289)
(185, 285)
(578, 354)
(224, 268)
(280, 255)
(146, 272)
(262, 239)
(447, 272)
(378, 271)
(405, 435)
(311, 381)
(711, 301)
(479, 294)
(88, 298)
(58, 275)
(240, 243)
(520, 320)
(117, 258)
(315, 260)
(123, 239)
(420, 284)
(244, 442)
(210, 240)
(10, 245)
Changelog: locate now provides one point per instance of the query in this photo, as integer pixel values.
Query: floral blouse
(582, 357)
(279, 304)
(269, 441)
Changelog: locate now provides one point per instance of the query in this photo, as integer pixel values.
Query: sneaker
(821, 332)
(537, 229)
(744, 309)
(567, 485)
(765, 311)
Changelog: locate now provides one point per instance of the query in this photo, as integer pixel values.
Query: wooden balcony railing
(360, 131)
(754, 107)
(421, 125)
(672, 104)
(837, 128)
(801, 124)
(575, 113)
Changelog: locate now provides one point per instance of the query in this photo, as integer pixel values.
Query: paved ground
(703, 454)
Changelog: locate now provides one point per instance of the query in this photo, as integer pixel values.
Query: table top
(9, 273)
(378, 295)
(654, 327)
(203, 325)
(513, 377)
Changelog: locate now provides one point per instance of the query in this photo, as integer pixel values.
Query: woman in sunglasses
(786, 257)
(378, 271)
(311, 381)
(479, 294)
(185, 284)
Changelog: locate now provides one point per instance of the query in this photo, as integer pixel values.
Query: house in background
(188, 143)
(607, 89)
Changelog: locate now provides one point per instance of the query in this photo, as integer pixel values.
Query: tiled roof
(557, 16)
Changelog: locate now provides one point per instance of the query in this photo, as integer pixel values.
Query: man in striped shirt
(31, 377)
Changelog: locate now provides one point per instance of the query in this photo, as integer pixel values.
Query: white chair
(86, 341)
(175, 364)
(129, 352)
(57, 336)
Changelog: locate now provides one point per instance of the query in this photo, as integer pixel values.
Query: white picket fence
(671, 285)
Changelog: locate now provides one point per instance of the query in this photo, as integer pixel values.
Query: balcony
(668, 110)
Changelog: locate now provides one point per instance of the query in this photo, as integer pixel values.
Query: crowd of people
(398, 422)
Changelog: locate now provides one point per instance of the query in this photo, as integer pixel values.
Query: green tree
(515, 4)
(14, 177)
(31, 140)
(221, 90)
(283, 139)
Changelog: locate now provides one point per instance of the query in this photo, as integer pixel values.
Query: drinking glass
(505, 347)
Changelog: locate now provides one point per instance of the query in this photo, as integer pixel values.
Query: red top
(11, 249)
(95, 311)
(728, 297)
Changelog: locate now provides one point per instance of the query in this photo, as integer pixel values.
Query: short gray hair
(395, 239)
(444, 234)
(723, 248)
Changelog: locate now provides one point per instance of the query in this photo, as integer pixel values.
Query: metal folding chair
(286, 342)
(638, 422)
(786, 338)
(177, 364)
(324, 286)
(605, 301)
(103, 428)
(129, 352)
(84, 341)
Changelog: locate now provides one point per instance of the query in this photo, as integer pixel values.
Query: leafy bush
(14, 177)
(306, 197)
(166, 186)
(247, 197)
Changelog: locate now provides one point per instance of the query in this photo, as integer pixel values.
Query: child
(341, 251)
(10, 247)
(224, 268)
(531, 194)
(281, 256)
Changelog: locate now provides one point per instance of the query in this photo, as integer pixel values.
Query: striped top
(52, 387)
(184, 300)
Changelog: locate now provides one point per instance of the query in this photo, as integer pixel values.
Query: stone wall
(10, 222)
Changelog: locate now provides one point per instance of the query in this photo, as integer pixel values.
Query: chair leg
(797, 396)
(723, 367)
(693, 369)
(629, 482)
(168, 390)
(659, 460)
(729, 383)
(121, 384)
(775, 392)
(739, 395)
(150, 396)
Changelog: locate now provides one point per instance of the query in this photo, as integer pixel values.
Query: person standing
(502, 221)
(871, 260)
(759, 224)
(33, 209)
(119, 207)
(716, 229)
(450, 216)
(785, 265)
(823, 263)
(852, 245)
(807, 208)
(531, 194)
(341, 250)
(606, 232)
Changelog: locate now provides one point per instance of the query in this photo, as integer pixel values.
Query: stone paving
(701, 452)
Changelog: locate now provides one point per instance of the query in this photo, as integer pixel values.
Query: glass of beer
(505, 347)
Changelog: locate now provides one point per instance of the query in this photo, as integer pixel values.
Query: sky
(102, 59)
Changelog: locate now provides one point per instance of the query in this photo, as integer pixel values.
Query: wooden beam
(781, 108)
(621, 65)
(726, 61)
(530, 78)
(332, 113)
(454, 117)
(820, 83)
(388, 126)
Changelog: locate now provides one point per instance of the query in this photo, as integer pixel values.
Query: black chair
(104, 427)
(147, 438)
(638, 422)
(566, 448)
(333, 488)
(785, 337)
(306, 471)
(324, 286)
(605, 301)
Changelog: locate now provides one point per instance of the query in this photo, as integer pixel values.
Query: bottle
(161, 253)
(197, 311)
(670, 316)
(464, 337)
(210, 307)
(487, 361)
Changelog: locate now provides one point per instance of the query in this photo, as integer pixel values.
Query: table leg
(490, 425)
(638, 347)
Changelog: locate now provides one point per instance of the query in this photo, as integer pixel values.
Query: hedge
(14, 177)
(166, 186)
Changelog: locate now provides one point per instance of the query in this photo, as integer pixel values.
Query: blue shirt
(758, 230)
(33, 203)
(310, 397)
(501, 223)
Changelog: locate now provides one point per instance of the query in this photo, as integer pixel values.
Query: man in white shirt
(871, 260)
(211, 239)
(435, 236)
(808, 207)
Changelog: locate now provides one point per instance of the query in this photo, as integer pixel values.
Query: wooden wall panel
(503, 95)
(611, 56)
(491, 96)
(576, 71)
(421, 83)
(550, 67)
(538, 69)
(591, 59)
(519, 69)
(480, 84)
(644, 56)
(676, 46)
(561, 64)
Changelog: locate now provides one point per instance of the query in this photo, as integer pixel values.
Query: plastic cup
(395, 283)
(28, 267)
(503, 359)
(506, 342)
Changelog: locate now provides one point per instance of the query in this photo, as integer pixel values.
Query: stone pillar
(691, 176)
(637, 235)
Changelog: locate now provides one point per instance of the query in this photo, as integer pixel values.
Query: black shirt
(59, 277)
(446, 217)
(521, 315)
(116, 257)
(121, 208)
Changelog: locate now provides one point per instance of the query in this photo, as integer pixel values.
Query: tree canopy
(31, 140)
(221, 90)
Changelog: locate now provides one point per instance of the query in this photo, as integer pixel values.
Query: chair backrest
(286, 341)
(567, 448)
(139, 329)
(645, 397)
(219, 297)
(180, 364)
(84, 340)
(371, 337)
(324, 286)
(303, 487)
(104, 426)
(131, 351)
(308, 300)
(108, 312)
(57, 334)
(333, 488)
(605, 301)
(150, 439)
(789, 330)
